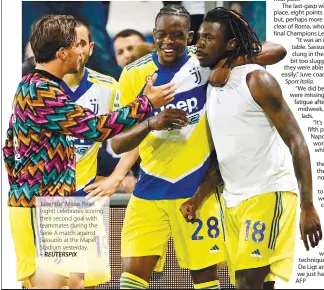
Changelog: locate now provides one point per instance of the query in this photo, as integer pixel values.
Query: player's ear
(91, 47)
(154, 34)
(231, 44)
(61, 54)
(190, 37)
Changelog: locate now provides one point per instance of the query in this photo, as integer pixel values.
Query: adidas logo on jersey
(188, 105)
(214, 249)
(256, 254)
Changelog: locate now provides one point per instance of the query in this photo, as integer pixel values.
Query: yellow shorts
(261, 231)
(149, 224)
(25, 232)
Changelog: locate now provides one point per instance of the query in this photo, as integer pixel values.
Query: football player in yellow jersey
(96, 92)
(174, 164)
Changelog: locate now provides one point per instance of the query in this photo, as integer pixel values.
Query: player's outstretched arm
(267, 93)
(271, 53)
(108, 185)
(211, 180)
(53, 111)
(130, 139)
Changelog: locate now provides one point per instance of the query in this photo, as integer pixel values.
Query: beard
(85, 58)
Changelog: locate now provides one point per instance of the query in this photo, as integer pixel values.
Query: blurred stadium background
(107, 18)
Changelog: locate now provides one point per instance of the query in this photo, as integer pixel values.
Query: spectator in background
(237, 6)
(124, 44)
(142, 49)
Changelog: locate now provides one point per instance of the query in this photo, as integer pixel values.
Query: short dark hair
(235, 26)
(49, 34)
(176, 10)
(127, 33)
(81, 22)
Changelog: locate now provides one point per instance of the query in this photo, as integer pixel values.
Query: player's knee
(248, 282)
(44, 279)
(140, 266)
(204, 275)
(49, 285)
(251, 278)
(76, 285)
(76, 281)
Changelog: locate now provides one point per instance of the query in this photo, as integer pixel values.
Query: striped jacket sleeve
(55, 112)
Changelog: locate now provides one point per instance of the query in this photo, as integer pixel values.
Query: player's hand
(104, 187)
(219, 75)
(160, 95)
(169, 119)
(189, 208)
(128, 184)
(310, 226)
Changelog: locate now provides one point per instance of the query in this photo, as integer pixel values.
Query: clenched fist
(189, 208)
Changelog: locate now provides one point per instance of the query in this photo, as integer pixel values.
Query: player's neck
(51, 68)
(74, 80)
(168, 64)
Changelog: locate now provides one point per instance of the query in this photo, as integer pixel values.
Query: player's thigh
(199, 244)
(146, 229)
(231, 238)
(145, 233)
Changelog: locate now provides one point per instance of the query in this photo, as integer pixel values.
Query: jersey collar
(82, 88)
(184, 58)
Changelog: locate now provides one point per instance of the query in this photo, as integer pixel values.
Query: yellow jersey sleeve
(127, 87)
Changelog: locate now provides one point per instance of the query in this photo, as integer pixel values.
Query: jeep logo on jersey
(196, 73)
(95, 106)
(188, 105)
